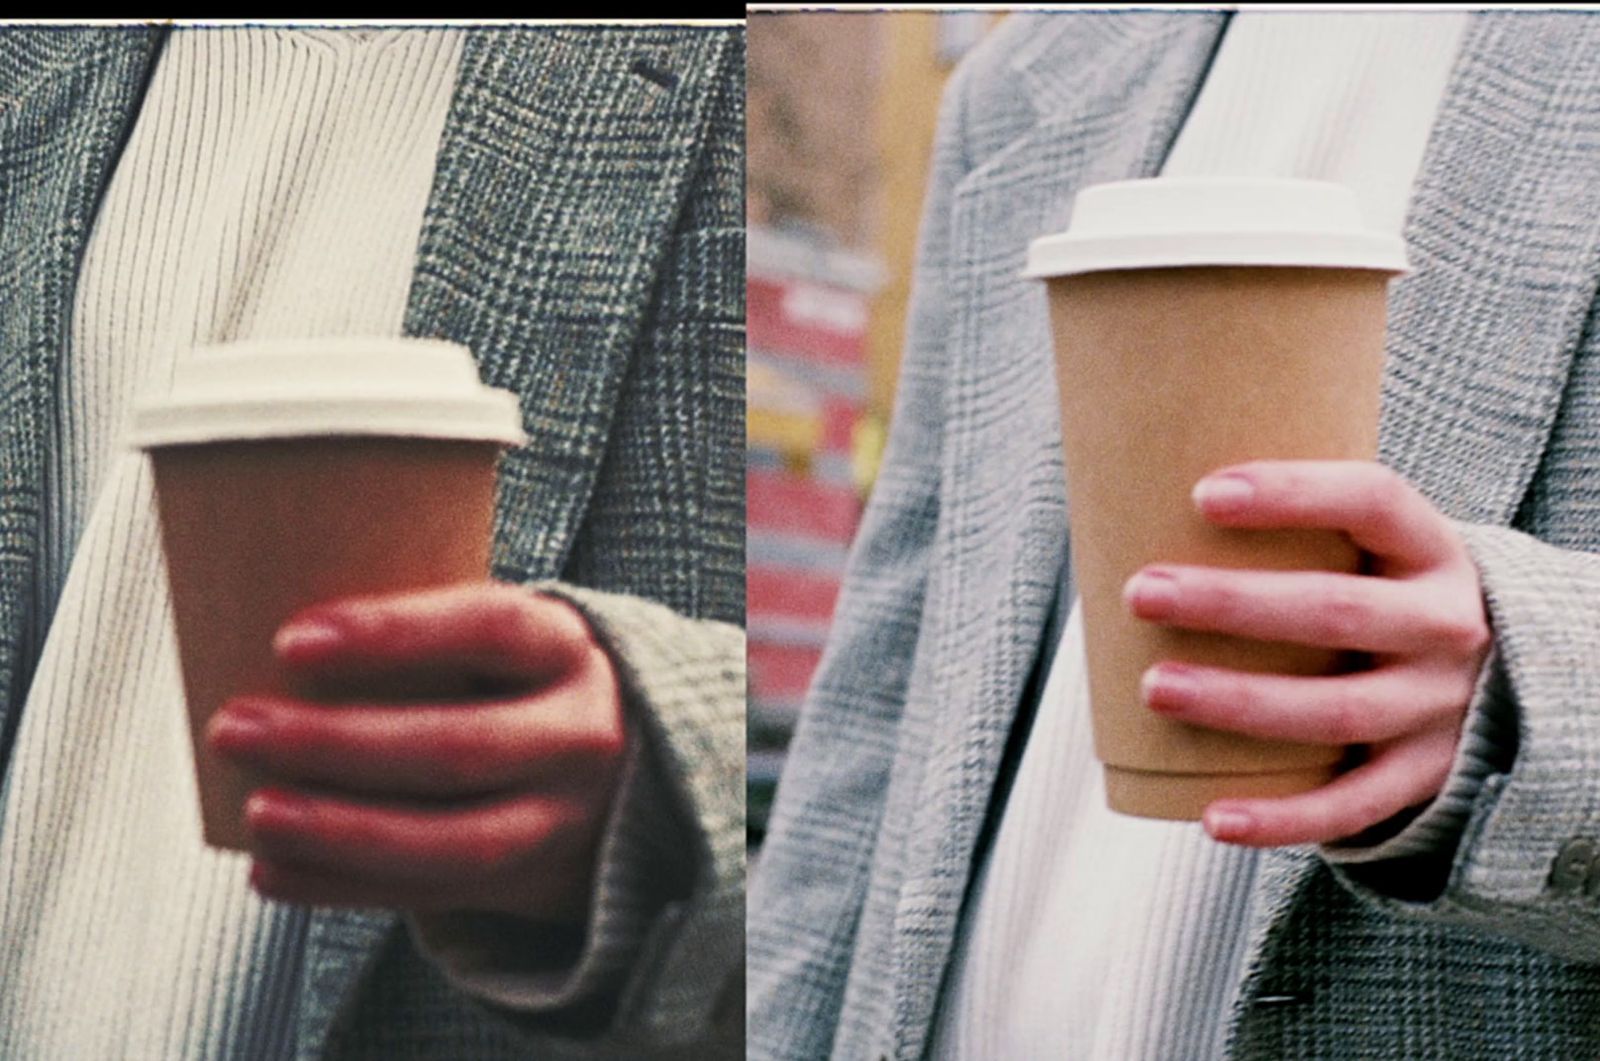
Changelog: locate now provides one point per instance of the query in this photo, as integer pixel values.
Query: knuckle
(1224, 599)
(1346, 720)
(516, 623)
(573, 624)
(301, 737)
(1344, 614)
(1352, 813)
(500, 626)
(600, 677)
(568, 631)
(1238, 699)
(1288, 485)
(491, 851)
(1442, 701)
(604, 743)
(505, 843)
(356, 832)
(1465, 633)
(1226, 696)
(1389, 489)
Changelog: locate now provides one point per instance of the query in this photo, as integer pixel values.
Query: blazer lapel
(67, 100)
(1504, 238)
(563, 168)
(561, 173)
(1002, 535)
(1503, 233)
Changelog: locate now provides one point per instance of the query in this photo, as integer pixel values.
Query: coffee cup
(1200, 323)
(294, 472)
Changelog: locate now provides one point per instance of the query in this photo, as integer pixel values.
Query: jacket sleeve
(658, 971)
(1518, 856)
(1525, 863)
(806, 896)
(659, 966)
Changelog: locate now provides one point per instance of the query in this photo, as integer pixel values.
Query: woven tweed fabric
(586, 239)
(1491, 407)
(581, 238)
(671, 949)
(61, 91)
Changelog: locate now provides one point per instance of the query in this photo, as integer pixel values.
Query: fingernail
(257, 806)
(309, 635)
(273, 807)
(1228, 824)
(1167, 687)
(1225, 489)
(1151, 591)
(238, 725)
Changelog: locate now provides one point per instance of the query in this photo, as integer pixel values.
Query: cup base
(1184, 797)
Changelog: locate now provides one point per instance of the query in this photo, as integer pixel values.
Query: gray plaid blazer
(1491, 406)
(585, 237)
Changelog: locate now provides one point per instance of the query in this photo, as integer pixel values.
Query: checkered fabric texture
(1492, 407)
(585, 238)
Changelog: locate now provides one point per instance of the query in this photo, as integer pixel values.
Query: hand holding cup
(1201, 323)
(1415, 611)
(493, 800)
(301, 471)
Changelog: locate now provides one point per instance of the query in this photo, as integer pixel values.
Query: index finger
(437, 750)
(1376, 507)
(485, 628)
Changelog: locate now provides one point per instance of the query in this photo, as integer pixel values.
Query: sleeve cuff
(659, 961)
(1487, 747)
(644, 862)
(531, 968)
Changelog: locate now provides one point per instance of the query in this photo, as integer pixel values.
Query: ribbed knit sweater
(273, 186)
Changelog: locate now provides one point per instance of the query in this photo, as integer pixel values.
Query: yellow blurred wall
(912, 81)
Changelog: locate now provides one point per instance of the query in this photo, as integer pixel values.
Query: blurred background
(842, 109)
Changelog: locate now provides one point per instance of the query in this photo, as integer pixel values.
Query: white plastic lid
(1173, 221)
(424, 388)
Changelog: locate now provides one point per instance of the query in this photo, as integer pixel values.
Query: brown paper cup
(1166, 375)
(293, 472)
(255, 531)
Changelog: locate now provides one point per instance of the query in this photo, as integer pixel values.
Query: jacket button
(1571, 867)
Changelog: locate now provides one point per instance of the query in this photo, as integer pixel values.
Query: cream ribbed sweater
(273, 186)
